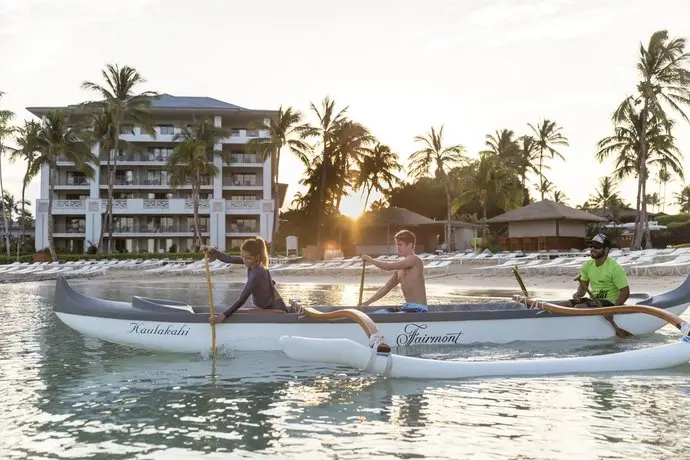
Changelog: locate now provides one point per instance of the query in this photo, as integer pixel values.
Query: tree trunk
(647, 235)
(104, 216)
(366, 201)
(637, 244)
(111, 184)
(22, 224)
(541, 175)
(484, 223)
(51, 192)
(322, 207)
(276, 203)
(195, 210)
(638, 208)
(4, 211)
(449, 236)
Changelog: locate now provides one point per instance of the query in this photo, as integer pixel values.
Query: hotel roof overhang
(167, 103)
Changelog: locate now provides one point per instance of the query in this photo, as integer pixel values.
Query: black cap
(600, 240)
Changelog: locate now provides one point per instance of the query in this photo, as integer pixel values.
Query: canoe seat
(159, 305)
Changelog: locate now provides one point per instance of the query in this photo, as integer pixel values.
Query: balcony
(150, 228)
(244, 160)
(242, 204)
(67, 184)
(163, 134)
(151, 183)
(155, 206)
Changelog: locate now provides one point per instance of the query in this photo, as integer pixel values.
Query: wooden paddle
(519, 280)
(210, 305)
(619, 331)
(361, 283)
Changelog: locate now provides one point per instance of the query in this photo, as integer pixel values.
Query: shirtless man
(409, 272)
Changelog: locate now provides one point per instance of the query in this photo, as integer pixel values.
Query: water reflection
(62, 392)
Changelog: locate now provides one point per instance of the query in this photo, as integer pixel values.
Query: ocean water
(63, 395)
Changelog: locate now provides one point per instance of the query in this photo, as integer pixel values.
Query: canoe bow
(654, 311)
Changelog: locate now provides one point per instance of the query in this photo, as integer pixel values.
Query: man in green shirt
(606, 277)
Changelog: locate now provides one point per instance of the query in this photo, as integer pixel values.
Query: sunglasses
(596, 246)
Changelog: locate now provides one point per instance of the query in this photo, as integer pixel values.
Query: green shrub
(666, 220)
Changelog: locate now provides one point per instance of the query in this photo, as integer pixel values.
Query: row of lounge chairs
(651, 262)
(39, 271)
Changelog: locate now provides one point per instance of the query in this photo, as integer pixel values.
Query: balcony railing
(150, 227)
(63, 228)
(74, 182)
(242, 204)
(243, 182)
(69, 204)
(234, 228)
(243, 158)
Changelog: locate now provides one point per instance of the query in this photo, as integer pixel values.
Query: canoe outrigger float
(177, 327)
(377, 358)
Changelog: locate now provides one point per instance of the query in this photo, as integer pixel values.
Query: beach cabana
(545, 225)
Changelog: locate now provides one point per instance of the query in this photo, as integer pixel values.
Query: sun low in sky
(401, 66)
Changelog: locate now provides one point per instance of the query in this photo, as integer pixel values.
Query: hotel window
(76, 178)
(156, 177)
(126, 129)
(244, 179)
(158, 153)
(243, 197)
(166, 129)
(124, 177)
(203, 223)
(123, 224)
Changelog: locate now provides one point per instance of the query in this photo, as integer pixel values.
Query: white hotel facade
(148, 215)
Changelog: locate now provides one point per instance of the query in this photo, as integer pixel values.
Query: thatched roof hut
(545, 225)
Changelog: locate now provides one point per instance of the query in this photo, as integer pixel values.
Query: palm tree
(664, 79)
(377, 170)
(27, 150)
(285, 130)
(379, 204)
(502, 144)
(57, 139)
(683, 199)
(664, 177)
(299, 201)
(434, 154)
(654, 200)
(123, 104)
(559, 197)
(351, 143)
(626, 141)
(547, 135)
(485, 180)
(607, 197)
(527, 162)
(6, 130)
(192, 160)
(328, 121)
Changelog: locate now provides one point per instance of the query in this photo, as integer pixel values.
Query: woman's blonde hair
(257, 247)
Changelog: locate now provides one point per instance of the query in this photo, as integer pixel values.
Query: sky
(401, 67)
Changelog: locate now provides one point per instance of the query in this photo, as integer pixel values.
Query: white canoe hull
(349, 353)
(195, 337)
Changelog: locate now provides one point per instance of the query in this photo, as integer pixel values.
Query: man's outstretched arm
(407, 262)
(385, 289)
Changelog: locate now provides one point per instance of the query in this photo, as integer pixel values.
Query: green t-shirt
(605, 280)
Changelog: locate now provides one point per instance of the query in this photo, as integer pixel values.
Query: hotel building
(150, 216)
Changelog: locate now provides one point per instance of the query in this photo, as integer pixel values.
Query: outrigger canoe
(377, 357)
(177, 327)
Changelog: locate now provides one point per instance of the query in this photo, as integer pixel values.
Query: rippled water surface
(66, 396)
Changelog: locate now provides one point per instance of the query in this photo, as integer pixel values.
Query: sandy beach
(458, 276)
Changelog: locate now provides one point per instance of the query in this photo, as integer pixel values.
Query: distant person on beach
(408, 272)
(607, 278)
(259, 283)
